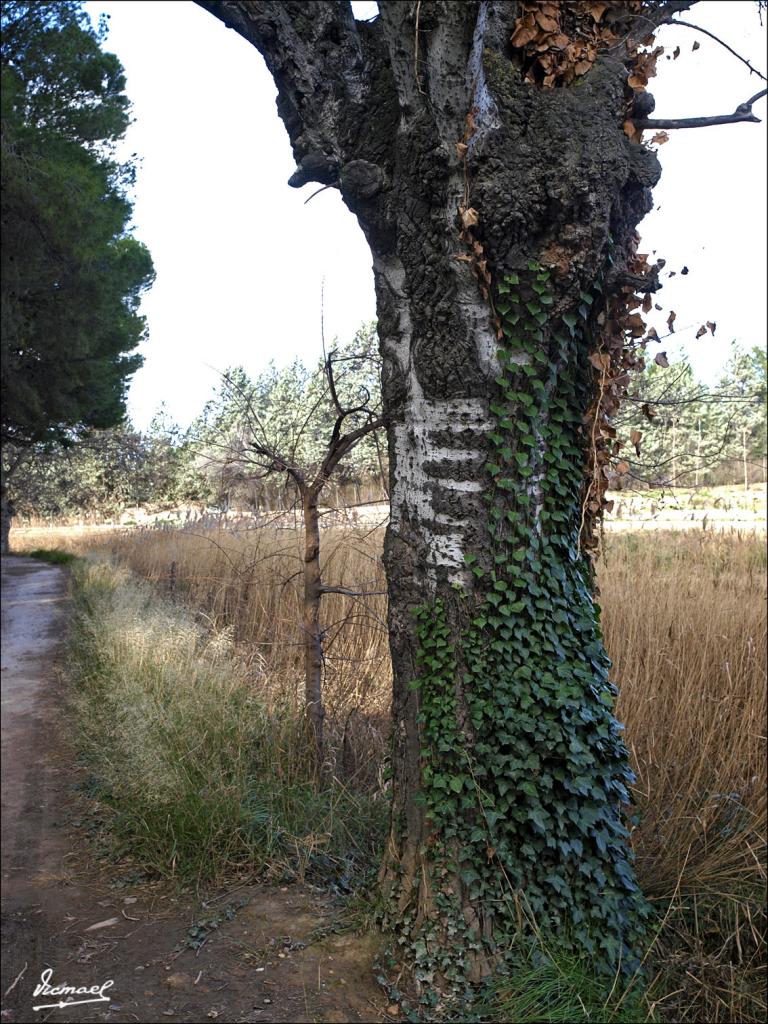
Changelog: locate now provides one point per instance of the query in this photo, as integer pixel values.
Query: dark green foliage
(52, 555)
(525, 771)
(101, 474)
(71, 275)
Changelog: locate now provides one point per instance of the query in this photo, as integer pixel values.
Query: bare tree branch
(340, 445)
(352, 593)
(742, 113)
(717, 39)
(653, 17)
(279, 464)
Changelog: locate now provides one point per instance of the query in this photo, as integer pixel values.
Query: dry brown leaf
(676, 53)
(469, 216)
(635, 324)
(701, 331)
(461, 150)
(600, 360)
(647, 302)
(660, 138)
(696, 46)
(622, 467)
(547, 23)
(523, 35)
(648, 412)
(712, 327)
(636, 437)
(661, 359)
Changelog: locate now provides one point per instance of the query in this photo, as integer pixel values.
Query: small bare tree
(252, 451)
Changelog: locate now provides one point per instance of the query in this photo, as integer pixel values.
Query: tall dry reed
(685, 623)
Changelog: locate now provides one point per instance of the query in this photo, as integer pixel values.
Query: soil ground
(253, 954)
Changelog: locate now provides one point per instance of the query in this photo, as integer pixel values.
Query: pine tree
(72, 275)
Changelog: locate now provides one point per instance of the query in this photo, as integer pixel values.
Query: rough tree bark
(501, 214)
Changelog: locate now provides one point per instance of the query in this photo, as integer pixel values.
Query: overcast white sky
(240, 259)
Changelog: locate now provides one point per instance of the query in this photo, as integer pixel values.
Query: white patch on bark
(469, 486)
(520, 358)
(445, 520)
(454, 455)
(412, 495)
(392, 271)
(476, 315)
(455, 414)
(485, 109)
(446, 550)
(417, 448)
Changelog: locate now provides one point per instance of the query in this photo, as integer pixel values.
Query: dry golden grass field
(684, 617)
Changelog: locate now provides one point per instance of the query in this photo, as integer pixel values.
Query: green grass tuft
(204, 774)
(549, 984)
(53, 556)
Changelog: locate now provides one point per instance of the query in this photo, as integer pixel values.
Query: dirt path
(248, 956)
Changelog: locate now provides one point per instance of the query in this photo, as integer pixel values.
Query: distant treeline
(691, 435)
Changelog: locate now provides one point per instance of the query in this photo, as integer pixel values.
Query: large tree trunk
(501, 216)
